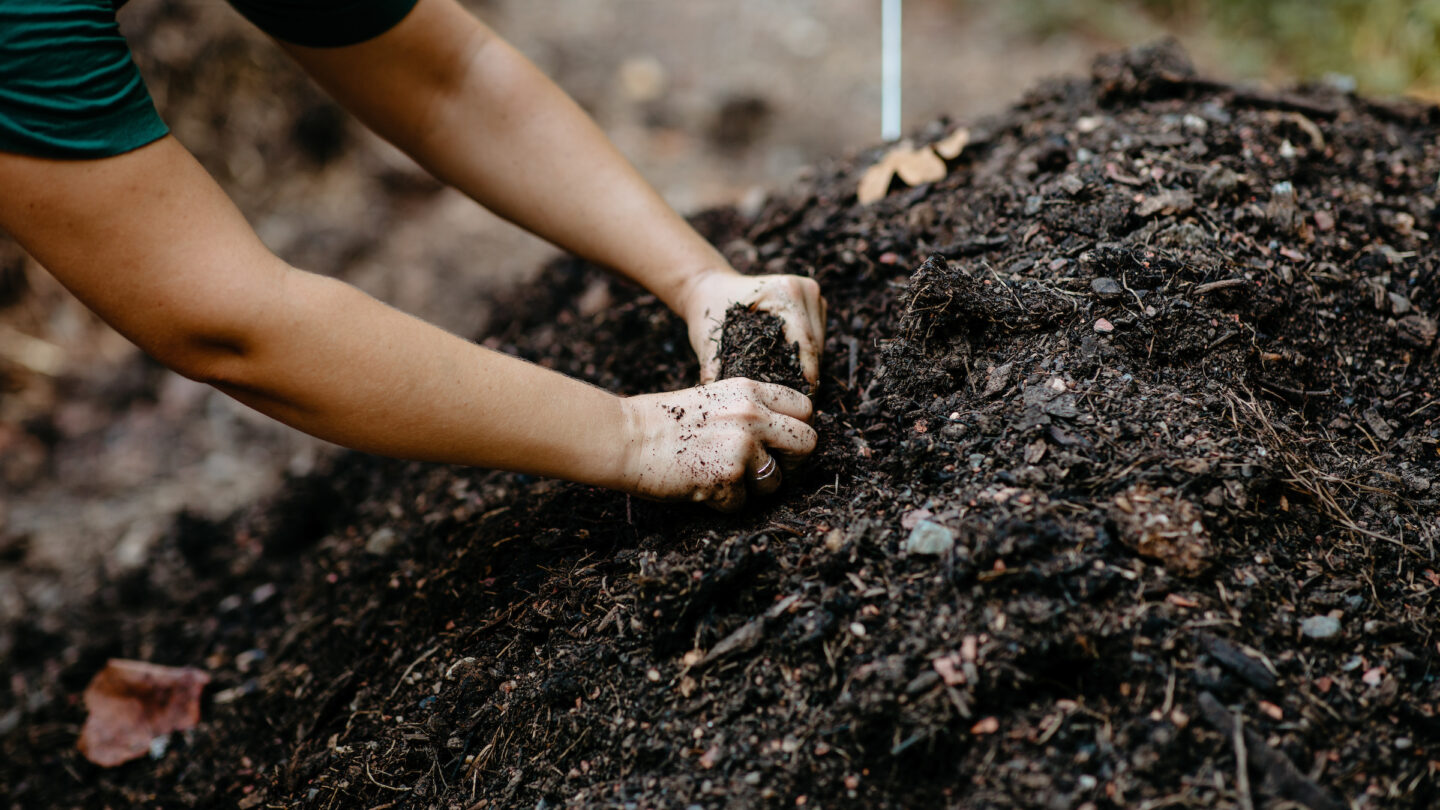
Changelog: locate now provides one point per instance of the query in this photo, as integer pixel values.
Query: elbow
(220, 337)
(222, 364)
(204, 355)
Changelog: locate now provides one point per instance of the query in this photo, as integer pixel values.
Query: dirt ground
(1126, 497)
(100, 449)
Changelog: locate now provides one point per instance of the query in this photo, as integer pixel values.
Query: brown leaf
(133, 702)
(875, 182)
(950, 146)
(914, 166)
(920, 166)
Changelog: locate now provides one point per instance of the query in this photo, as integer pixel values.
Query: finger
(784, 400)
(710, 370)
(784, 434)
(763, 472)
(817, 310)
(728, 496)
(798, 330)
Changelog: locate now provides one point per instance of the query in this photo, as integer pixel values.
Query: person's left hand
(795, 300)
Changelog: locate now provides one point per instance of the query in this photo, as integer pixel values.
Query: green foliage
(1388, 46)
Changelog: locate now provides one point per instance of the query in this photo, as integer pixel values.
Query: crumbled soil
(753, 345)
(1127, 473)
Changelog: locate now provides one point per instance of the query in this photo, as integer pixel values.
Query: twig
(1242, 764)
(371, 777)
(1224, 283)
(406, 673)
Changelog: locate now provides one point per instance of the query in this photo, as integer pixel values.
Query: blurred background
(718, 103)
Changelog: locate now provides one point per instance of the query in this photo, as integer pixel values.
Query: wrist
(690, 294)
(626, 461)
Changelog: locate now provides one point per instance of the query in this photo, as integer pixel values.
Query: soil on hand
(753, 345)
(1125, 497)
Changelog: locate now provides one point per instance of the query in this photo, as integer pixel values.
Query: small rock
(1320, 627)
(248, 659)
(1378, 424)
(930, 538)
(382, 542)
(1106, 289)
(1103, 326)
(1169, 201)
(1416, 330)
(997, 379)
(1399, 304)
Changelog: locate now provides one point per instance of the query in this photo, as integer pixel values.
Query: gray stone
(1106, 288)
(1399, 304)
(382, 542)
(929, 538)
(1320, 627)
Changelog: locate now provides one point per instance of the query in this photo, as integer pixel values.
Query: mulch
(1125, 497)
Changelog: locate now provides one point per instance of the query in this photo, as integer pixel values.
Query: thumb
(710, 369)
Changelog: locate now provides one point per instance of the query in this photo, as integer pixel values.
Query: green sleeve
(324, 23)
(68, 87)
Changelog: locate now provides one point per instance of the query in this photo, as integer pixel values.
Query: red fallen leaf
(133, 702)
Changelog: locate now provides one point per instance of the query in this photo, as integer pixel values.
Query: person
(94, 187)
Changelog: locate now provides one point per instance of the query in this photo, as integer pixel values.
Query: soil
(1127, 474)
(753, 345)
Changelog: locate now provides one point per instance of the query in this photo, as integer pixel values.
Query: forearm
(340, 365)
(481, 117)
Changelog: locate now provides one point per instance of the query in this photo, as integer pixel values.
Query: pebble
(1320, 627)
(1106, 288)
(1103, 326)
(929, 538)
(382, 542)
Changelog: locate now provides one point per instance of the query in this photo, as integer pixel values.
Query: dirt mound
(1127, 475)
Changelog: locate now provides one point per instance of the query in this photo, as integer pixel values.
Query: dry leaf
(950, 146)
(914, 166)
(875, 182)
(133, 702)
(920, 166)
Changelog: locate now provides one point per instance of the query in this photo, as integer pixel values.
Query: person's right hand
(706, 444)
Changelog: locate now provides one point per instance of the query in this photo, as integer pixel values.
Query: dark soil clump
(1125, 496)
(753, 345)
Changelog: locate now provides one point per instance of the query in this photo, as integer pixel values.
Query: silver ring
(766, 470)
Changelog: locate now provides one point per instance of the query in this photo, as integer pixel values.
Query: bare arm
(148, 241)
(477, 114)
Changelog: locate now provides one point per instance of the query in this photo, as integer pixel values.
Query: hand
(706, 444)
(794, 299)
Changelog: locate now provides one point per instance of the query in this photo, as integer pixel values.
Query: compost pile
(1128, 469)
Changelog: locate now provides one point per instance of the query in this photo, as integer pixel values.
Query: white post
(890, 70)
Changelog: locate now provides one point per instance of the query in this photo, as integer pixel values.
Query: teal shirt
(69, 89)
